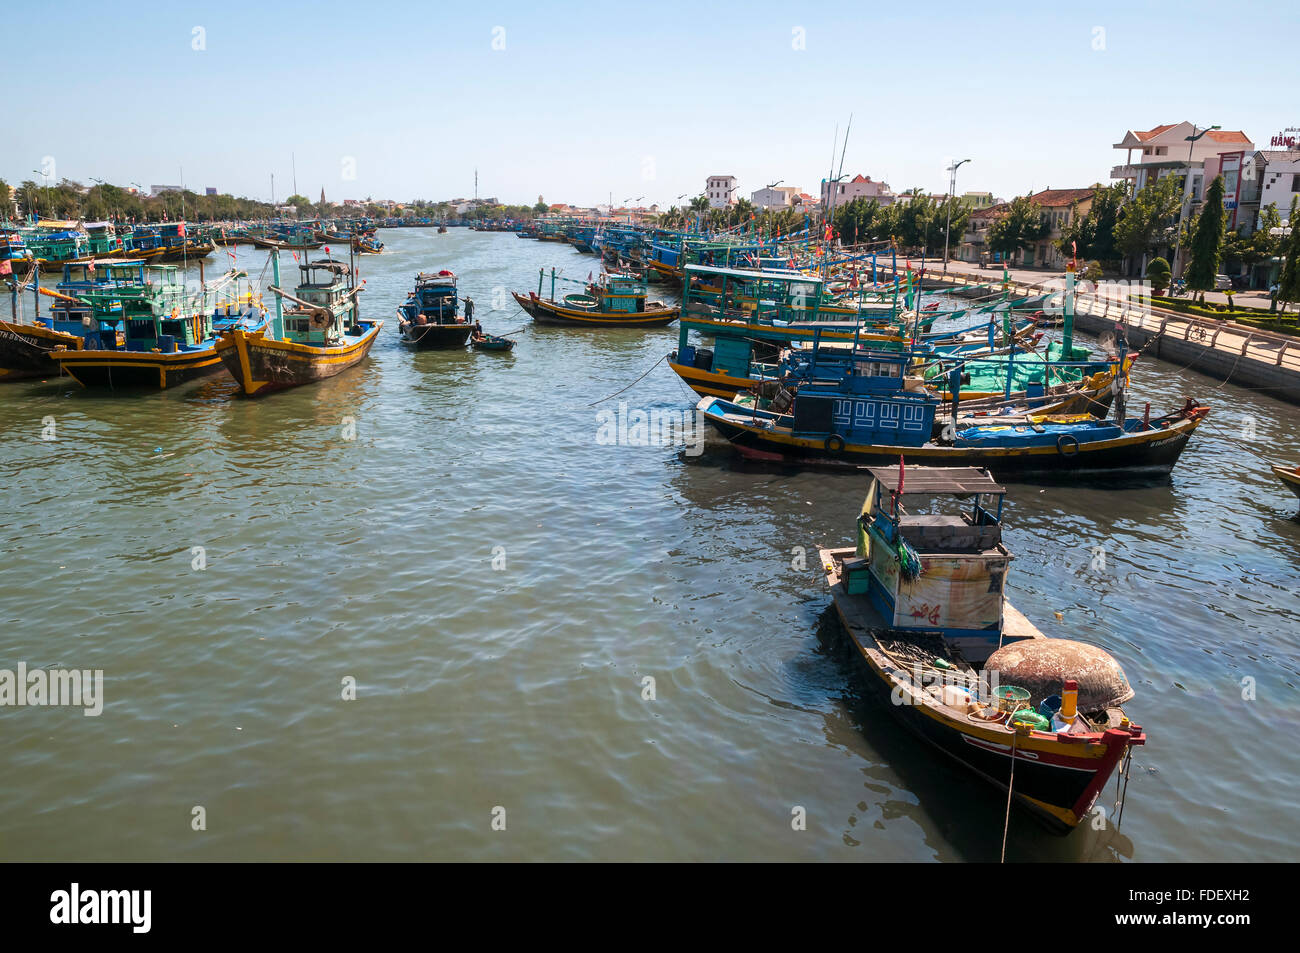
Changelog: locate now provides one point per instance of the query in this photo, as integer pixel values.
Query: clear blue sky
(636, 100)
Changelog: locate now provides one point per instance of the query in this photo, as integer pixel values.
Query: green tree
(1159, 274)
(6, 201)
(1257, 246)
(1206, 248)
(1145, 223)
(1019, 227)
(1289, 283)
(1092, 235)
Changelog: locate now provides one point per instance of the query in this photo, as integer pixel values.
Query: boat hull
(435, 337)
(126, 370)
(544, 312)
(262, 365)
(1289, 478)
(25, 350)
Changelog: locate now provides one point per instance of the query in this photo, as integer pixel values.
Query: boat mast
(275, 276)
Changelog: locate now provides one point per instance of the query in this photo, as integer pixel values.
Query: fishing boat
(615, 300)
(367, 245)
(430, 317)
(922, 597)
(1290, 477)
(167, 339)
(319, 336)
(73, 322)
(875, 412)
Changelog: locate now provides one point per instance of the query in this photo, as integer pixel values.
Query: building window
(1295, 182)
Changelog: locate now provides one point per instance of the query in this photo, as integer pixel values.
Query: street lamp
(1183, 201)
(952, 189)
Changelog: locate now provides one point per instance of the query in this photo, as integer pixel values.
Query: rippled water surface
(521, 687)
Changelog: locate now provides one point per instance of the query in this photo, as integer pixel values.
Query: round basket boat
(581, 302)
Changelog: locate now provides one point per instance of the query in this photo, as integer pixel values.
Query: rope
(1126, 769)
(633, 384)
(1006, 825)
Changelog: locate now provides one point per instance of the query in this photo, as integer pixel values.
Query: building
(1279, 179)
(773, 197)
(1165, 150)
(1059, 209)
(721, 191)
(978, 200)
(858, 187)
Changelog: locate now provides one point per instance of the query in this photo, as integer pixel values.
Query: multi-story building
(720, 191)
(1165, 150)
(1279, 180)
(977, 200)
(858, 187)
(1059, 209)
(773, 197)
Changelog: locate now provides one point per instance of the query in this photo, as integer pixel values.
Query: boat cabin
(155, 314)
(930, 554)
(619, 293)
(328, 305)
(435, 298)
(867, 400)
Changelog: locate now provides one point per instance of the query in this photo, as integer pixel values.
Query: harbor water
(569, 647)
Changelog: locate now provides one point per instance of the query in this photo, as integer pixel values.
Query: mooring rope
(633, 384)
(1006, 826)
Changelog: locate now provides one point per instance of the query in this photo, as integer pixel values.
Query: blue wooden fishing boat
(430, 317)
(168, 338)
(922, 597)
(875, 413)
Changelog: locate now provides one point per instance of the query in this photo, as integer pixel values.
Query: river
(447, 532)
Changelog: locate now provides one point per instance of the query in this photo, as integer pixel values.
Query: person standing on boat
(469, 308)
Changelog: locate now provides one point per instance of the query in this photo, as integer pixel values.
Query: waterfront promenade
(1222, 349)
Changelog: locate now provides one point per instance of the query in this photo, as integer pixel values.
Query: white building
(721, 190)
(1279, 181)
(858, 187)
(782, 197)
(1165, 150)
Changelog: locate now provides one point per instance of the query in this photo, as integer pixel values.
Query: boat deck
(867, 627)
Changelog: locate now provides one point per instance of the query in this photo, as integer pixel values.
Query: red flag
(327, 250)
(294, 254)
(900, 474)
(180, 230)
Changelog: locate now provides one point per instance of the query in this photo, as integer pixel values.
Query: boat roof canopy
(937, 481)
(755, 275)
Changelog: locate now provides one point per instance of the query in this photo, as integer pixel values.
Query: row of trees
(104, 202)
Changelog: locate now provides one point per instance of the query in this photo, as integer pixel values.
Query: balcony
(1124, 172)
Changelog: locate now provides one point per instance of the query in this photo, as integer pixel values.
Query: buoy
(1070, 700)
